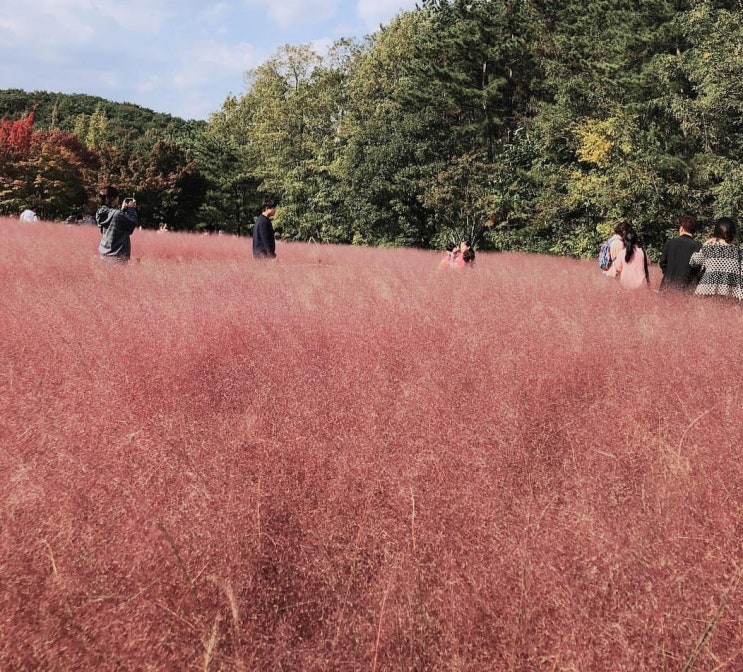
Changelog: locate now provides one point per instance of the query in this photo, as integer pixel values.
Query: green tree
(701, 92)
(463, 198)
(390, 144)
(291, 120)
(602, 156)
(58, 171)
(97, 128)
(231, 198)
(483, 68)
(281, 139)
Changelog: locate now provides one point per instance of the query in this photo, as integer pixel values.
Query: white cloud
(206, 62)
(149, 84)
(178, 56)
(215, 19)
(290, 14)
(111, 80)
(204, 74)
(376, 12)
(10, 26)
(216, 12)
(57, 22)
(321, 46)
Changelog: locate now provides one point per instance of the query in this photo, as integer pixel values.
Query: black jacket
(264, 242)
(674, 262)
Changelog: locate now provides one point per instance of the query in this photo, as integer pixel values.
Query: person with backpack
(610, 248)
(674, 260)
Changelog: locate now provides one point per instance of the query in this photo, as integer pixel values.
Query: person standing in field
(468, 253)
(116, 224)
(264, 240)
(28, 215)
(446, 260)
(631, 263)
(456, 260)
(674, 260)
(611, 247)
(720, 263)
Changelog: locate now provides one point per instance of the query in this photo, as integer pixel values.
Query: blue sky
(183, 57)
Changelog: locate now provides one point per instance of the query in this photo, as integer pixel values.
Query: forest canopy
(523, 124)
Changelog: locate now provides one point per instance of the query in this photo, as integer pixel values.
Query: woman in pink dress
(631, 264)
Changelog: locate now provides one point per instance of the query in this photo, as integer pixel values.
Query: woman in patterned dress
(720, 263)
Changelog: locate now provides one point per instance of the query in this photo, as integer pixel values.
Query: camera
(128, 200)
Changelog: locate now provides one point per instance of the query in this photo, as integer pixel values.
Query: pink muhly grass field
(350, 460)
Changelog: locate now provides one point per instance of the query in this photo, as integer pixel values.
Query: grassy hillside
(63, 109)
(349, 460)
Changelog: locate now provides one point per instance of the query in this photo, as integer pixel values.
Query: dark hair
(268, 204)
(108, 194)
(631, 244)
(621, 228)
(468, 255)
(450, 247)
(631, 241)
(725, 229)
(688, 223)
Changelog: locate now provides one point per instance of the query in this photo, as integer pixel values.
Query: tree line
(524, 124)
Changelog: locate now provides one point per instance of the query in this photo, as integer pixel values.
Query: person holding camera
(116, 224)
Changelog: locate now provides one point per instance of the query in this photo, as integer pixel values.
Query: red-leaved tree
(50, 170)
(15, 136)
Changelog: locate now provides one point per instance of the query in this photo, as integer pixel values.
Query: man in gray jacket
(116, 224)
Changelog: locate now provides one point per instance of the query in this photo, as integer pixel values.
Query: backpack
(605, 255)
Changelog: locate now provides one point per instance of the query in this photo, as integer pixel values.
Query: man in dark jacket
(264, 242)
(674, 260)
